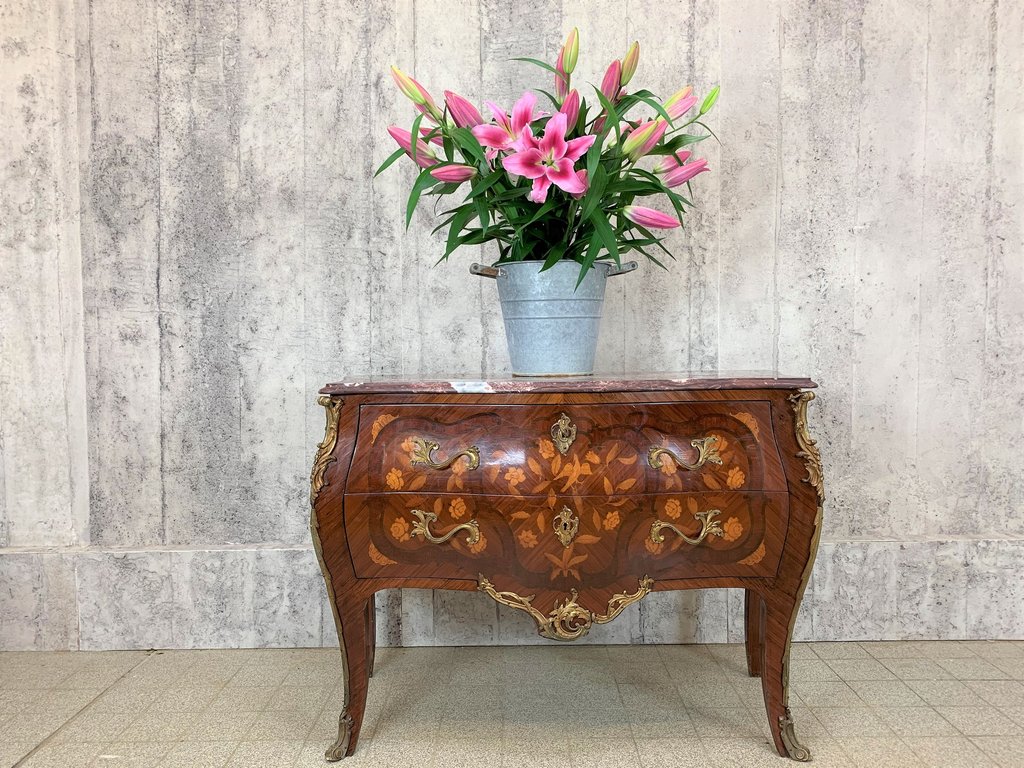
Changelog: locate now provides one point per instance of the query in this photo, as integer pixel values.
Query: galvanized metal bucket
(550, 324)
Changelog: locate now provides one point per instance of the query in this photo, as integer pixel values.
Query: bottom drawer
(560, 543)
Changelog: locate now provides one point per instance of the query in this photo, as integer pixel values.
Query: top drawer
(542, 450)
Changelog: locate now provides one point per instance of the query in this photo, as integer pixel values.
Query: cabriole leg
(353, 616)
(779, 613)
(371, 633)
(752, 611)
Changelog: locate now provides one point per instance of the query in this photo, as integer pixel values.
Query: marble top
(601, 382)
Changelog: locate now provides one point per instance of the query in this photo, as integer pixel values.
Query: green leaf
(387, 163)
(415, 134)
(537, 62)
(655, 106)
(589, 258)
(705, 127)
(468, 144)
(551, 98)
(595, 192)
(461, 219)
(423, 181)
(482, 213)
(554, 256)
(612, 117)
(709, 100)
(485, 184)
(604, 231)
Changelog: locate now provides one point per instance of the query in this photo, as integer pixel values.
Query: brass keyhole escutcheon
(563, 432)
(566, 524)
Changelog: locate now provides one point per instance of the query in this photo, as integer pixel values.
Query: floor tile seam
(53, 734)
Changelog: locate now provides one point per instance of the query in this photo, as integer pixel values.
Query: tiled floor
(855, 704)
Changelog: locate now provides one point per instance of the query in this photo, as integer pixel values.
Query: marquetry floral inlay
(755, 557)
(748, 420)
(400, 529)
(732, 529)
(378, 558)
(395, 479)
(611, 521)
(527, 539)
(673, 508)
(734, 479)
(457, 509)
(379, 423)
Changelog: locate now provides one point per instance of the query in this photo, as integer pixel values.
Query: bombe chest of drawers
(569, 500)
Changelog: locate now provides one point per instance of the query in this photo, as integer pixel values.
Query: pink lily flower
(629, 63)
(684, 173)
(612, 81)
(672, 162)
(582, 176)
(550, 160)
(462, 111)
(508, 132)
(650, 218)
(680, 102)
(454, 173)
(425, 158)
(571, 108)
(644, 138)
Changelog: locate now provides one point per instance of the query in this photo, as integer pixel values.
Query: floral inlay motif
(755, 557)
(653, 547)
(735, 478)
(515, 476)
(479, 546)
(378, 558)
(673, 508)
(457, 508)
(527, 539)
(379, 423)
(732, 529)
(748, 420)
(611, 521)
(566, 564)
(546, 448)
(395, 479)
(400, 529)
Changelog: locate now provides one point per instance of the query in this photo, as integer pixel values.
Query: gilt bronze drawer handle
(563, 432)
(568, 620)
(421, 527)
(566, 524)
(423, 448)
(706, 451)
(708, 526)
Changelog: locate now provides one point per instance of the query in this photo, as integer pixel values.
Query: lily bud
(612, 81)
(571, 108)
(570, 51)
(643, 139)
(649, 218)
(462, 111)
(629, 63)
(671, 162)
(425, 158)
(416, 93)
(454, 173)
(684, 173)
(680, 102)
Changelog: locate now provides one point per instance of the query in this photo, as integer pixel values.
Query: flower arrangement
(559, 185)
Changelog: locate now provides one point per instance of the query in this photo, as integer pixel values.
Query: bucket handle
(622, 269)
(495, 272)
(485, 271)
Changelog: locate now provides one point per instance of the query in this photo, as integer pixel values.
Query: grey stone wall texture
(191, 243)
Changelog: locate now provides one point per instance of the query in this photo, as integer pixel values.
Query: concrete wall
(191, 244)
